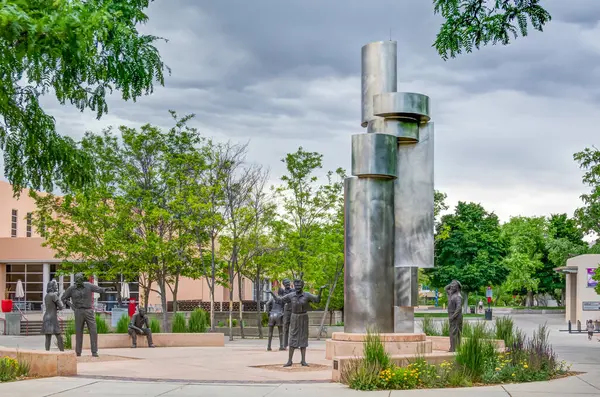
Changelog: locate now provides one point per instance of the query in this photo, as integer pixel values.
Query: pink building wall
(23, 205)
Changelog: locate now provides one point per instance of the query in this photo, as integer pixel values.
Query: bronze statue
(139, 325)
(287, 312)
(50, 325)
(299, 302)
(275, 311)
(81, 303)
(455, 316)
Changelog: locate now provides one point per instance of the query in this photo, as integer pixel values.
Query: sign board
(591, 283)
(117, 313)
(591, 306)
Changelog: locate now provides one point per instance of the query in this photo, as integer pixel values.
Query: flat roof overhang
(566, 270)
(26, 250)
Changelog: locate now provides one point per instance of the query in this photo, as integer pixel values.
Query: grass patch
(155, 326)
(123, 325)
(12, 369)
(101, 325)
(69, 331)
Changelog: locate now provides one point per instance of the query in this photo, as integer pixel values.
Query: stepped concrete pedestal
(344, 344)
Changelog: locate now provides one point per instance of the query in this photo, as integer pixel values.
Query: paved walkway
(229, 371)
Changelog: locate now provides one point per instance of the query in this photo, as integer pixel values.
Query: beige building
(582, 303)
(23, 258)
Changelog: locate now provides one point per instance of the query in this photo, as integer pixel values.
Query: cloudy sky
(285, 74)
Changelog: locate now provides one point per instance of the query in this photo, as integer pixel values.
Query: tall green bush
(12, 369)
(101, 325)
(179, 326)
(155, 326)
(197, 322)
(505, 329)
(476, 351)
(429, 326)
(123, 325)
(69, 331)
(445, 328)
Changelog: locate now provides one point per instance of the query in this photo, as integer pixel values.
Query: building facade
(582, 302)
(24, 260)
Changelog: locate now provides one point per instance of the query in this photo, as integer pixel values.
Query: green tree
(469, 248)
(80, 50)
(439, 203)
(588, 216)
(527, 247)
(306, 205)
(471, 24)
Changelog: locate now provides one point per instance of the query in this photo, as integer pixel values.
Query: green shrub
(11, 369)
(155, 325)
(221, 324)
(69, 331)
(264, 319)
(445, 328)
(505, 329)
(374, 351)
(197, 322)
(476, 351)
(123, 325)
(101, 325)
(179, 326)
(339, 324)
(429, 326)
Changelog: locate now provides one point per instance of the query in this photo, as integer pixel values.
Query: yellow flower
(525, 366)
(497, 369)
(513, 375)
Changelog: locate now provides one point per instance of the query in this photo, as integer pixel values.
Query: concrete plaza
(244, 367)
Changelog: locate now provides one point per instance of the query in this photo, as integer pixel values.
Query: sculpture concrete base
(117, 341)
(344, 344)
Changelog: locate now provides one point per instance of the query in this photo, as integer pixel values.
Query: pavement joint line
(507, 392)
(72, 388)
(248, 383)
(172, 390)
(585, 381)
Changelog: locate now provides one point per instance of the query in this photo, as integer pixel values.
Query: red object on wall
(131, 307)
(7, 305)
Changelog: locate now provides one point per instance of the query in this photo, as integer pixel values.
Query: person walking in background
(590, 329)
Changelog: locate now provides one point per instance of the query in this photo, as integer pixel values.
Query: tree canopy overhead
(79, 51)
(470, 24)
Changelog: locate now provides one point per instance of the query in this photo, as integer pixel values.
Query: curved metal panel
(404, 129)
(369, 255)
(402, 104)
(379, 74)
(374, 155)
(413, 197)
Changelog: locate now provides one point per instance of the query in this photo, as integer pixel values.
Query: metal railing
(23, 317)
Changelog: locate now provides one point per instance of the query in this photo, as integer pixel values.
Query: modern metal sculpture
(80, 295)
(275, 312)
(50, 324)
(389, 218)
(455, 316)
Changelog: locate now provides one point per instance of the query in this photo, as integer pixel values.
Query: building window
(13, 224)
(29, 224)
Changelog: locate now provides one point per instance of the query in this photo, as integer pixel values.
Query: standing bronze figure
(300, 303)
(139, 325)
(50, 324)
(287, 312)
(81, 303)
(455, 316)
(275, 311)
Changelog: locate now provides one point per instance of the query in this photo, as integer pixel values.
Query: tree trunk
(258, 301)
(529, 298)
(231, 287)
(147, 289)
(240, 281)
(465, 302)
(331, 289)
(212, 279)
(163, 302)
(174, 292)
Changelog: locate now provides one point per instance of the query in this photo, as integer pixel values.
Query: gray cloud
(285, 74)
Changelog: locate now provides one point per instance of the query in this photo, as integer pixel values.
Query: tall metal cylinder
(374, 155)
(369, 255)
(413, 196)
(379, 74)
